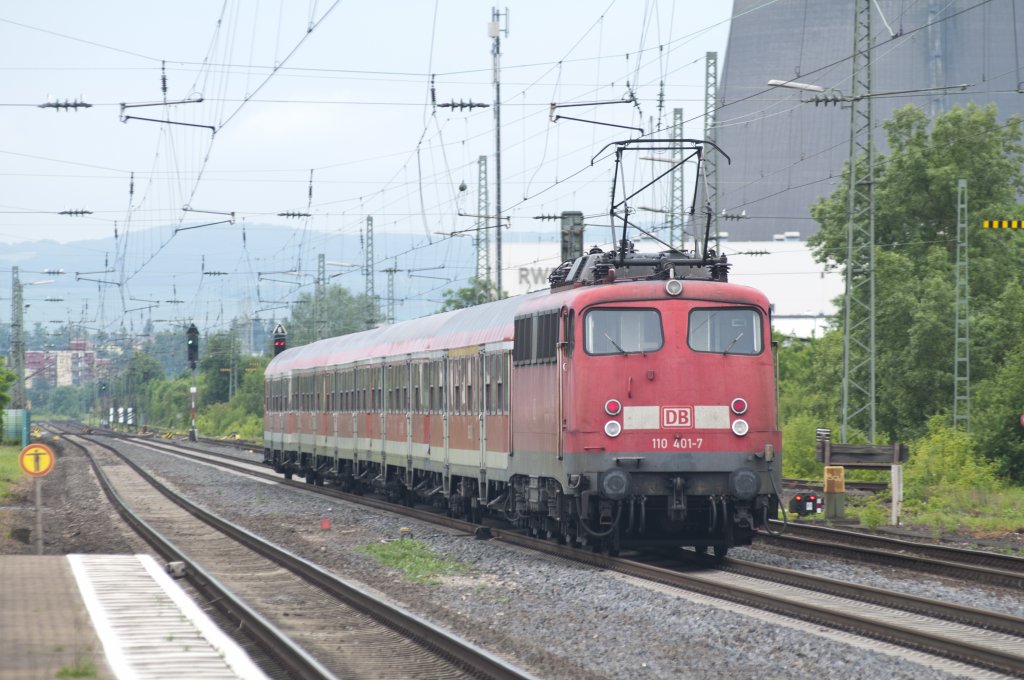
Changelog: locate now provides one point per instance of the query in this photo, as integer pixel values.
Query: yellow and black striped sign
(1003, 224)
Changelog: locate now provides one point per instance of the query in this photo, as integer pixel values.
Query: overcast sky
(342, 89)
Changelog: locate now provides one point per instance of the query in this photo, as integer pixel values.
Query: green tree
(218, 357)
(998, 404)
(7, 379)
(249, 396)
(915, 254)
(342, 313)
(477, 292)
(915, 183)
(168, 403)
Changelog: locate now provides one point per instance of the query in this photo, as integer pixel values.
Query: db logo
(677, 416)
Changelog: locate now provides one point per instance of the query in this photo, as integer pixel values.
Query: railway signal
(280, 339)
(192, 341)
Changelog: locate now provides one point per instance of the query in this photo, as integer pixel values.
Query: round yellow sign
(37, 460)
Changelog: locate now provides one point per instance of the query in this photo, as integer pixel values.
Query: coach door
(479, 393)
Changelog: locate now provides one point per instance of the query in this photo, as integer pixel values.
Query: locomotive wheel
(476, 513)
(288, 475)
(721, 550)
(700, 549)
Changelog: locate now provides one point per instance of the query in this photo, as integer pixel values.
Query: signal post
(192, 343)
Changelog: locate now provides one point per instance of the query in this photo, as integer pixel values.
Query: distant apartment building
(61, 368)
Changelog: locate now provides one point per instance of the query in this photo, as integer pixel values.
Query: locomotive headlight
(738, 406)
(612, 428)
(613, 407)
(739, 427)
(673, 287)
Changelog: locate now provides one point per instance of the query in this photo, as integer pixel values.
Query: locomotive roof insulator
(605, 268)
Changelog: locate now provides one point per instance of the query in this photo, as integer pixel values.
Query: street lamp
(792, 84)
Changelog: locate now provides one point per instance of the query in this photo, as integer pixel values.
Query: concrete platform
(44, 626)
(118, 614)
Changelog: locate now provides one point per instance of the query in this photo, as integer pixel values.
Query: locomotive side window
(535, 339)
(547, 336)
(622, 331)
(730, 330)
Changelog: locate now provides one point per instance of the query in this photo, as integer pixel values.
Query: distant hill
(224, 271)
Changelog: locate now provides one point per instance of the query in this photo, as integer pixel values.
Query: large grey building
(787, 151)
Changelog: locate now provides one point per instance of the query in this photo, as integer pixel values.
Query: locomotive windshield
(622, 331)
(725, 331)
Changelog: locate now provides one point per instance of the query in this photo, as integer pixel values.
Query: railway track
(946, 561)
(988, 640)
(314, 623)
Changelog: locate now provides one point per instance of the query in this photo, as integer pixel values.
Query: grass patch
(10, 471)
(413, 559)
(970, 510)
(81, 669)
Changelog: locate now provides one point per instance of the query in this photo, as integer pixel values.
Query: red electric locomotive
(634, 403)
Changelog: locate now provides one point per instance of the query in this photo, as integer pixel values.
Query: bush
(943, 461)
(219, 420)
(873, 516)
(799, 447)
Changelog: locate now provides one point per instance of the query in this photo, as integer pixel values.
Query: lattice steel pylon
(962, 346)
(710, 156)
(483, 236)
(859, 309)
(17, 356)
(319, 298)
(391, 271)
(677, 208)
(373, 313)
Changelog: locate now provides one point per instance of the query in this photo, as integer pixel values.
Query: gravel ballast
(551, 617)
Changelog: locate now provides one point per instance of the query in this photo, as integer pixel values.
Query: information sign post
(37, 460)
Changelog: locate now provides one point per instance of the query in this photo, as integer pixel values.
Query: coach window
(622, 331)
(732, 330)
